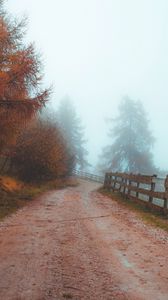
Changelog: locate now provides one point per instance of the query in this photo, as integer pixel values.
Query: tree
(41, 153)
(130, 150)
(20, 79)
(73, 132)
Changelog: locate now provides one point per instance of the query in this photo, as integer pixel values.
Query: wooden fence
(89, 176)
(152, 190)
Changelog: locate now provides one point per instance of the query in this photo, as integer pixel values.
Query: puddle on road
(125, 261)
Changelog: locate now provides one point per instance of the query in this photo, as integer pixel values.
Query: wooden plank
(146, 179)
(141, 179)
(154, 194)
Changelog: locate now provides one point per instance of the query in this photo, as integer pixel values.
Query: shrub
(41, 153)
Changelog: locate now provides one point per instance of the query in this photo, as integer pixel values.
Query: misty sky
(97, 51)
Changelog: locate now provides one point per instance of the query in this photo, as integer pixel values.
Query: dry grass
(10, 184)
(15, 194)
(153, 218)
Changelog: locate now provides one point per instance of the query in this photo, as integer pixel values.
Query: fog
(97, 51)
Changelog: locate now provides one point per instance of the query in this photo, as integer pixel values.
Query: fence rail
(89, 176)
(150, 189)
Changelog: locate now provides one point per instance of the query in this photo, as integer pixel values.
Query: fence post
(129, 185)
(137, 192)
(121, 186)
(125, 182)
(105, 180)
(166, 193)
(114, 185)
(152, 187)
(109, 182)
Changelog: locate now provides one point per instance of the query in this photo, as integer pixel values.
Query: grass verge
(154, 218)
(12, 200)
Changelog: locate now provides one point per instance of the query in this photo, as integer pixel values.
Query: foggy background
(97, 51)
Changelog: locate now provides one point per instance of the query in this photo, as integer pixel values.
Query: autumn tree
(41, 153)
(73, 131)
(131, 140)
(20, 79)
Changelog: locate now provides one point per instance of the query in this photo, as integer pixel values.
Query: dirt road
(78, 244)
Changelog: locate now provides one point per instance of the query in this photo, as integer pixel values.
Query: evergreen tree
(73, 131)
(130, 149)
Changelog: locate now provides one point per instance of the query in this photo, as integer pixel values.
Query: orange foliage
(20, 79)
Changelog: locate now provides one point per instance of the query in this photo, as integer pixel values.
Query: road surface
(78, 244)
